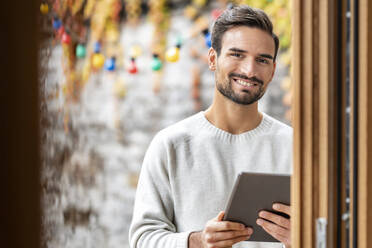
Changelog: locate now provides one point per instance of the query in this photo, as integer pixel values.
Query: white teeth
(244, 83)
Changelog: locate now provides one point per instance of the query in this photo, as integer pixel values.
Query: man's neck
(232, 117)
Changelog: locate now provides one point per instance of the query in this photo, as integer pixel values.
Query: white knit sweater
(189, 170)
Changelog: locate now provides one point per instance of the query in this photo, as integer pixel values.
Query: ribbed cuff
(182, 239)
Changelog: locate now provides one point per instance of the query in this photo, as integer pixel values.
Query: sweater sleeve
(152, 224)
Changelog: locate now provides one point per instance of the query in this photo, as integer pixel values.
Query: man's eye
(238, 55)
(262, 60)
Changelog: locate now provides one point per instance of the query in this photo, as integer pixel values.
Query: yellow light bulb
(190, 11)
(173, 54)
(44, 8)
(98, 60)
(199, 3)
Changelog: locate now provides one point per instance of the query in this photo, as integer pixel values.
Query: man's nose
(248, 67)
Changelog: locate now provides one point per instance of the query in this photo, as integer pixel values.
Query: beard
(245, 97)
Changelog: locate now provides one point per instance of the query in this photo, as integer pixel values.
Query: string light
(132, 68)
(110, 64)
(66, 38)
(81, 51)
(44, 8)
(57, 23)
(156, 63)
(172, 54)
(216, 13)
(207, 36)
(97, 47)
(98, 60)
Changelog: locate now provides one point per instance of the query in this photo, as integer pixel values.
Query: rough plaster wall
(90, 173)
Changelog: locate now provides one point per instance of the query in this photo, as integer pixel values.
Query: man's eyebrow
(267, 56)
(234, 49)
(238, 50)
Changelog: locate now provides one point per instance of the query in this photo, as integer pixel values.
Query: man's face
(245, 65)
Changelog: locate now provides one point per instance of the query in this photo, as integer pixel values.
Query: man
(190, 167)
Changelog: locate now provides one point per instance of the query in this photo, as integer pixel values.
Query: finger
(220, 216)
(220, 236)
(277, 219)
(229, 242)
(282, 208)
(218, 226)
(273, 229)
(282, 239)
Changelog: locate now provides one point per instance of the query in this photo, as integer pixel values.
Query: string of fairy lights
(97, 59)
(133, 10)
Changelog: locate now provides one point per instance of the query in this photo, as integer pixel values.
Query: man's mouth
(243, 80)
(245, 83)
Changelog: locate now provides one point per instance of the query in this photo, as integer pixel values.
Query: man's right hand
(218, 233)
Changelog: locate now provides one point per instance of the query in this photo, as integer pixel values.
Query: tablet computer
(253, 192)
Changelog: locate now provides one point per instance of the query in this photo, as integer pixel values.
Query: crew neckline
(263, 127)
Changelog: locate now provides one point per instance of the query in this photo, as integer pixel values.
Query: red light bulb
(66, 38)
(132, 69)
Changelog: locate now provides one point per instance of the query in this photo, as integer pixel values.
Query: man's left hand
(279, 227)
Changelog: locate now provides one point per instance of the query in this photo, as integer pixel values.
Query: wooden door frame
(319, 99)
(19, 107)
(315, 110)
(364, 186)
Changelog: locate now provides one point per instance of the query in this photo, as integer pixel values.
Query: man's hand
(280, 228)
(218, 233)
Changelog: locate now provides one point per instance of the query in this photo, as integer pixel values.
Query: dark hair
(242, 15)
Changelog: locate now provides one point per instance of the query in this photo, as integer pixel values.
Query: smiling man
(190, 167)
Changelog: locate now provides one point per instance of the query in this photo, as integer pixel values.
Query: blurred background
(113, 73)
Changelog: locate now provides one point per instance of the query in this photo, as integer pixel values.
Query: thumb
(220, 216)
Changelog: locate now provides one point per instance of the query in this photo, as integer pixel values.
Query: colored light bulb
(216, 13)
(81, 51)
(66, 38)
(190, 11)
(173, 54)
(57, 23)
(44, 8)
(97, 47)
(179, 41)
(199, 3)
(110, 64)
(208, 41)
(132, 69)
(156, 64)
(98, 60)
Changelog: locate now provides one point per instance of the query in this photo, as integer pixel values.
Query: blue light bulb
(97, 47)
(57, 23)
(110, 64)
(208, 41)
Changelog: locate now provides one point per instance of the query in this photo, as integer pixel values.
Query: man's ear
(212, 59)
